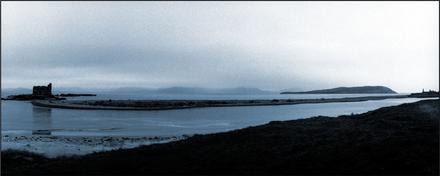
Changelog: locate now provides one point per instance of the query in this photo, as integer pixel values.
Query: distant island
(349, 90)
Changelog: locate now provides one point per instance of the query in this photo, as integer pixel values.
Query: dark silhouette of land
(74, 94)
(423, 94)
(43, 93)
(27, 97)
(399, 140)
(349, 90)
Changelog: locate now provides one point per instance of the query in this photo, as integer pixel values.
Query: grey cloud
(269, 45)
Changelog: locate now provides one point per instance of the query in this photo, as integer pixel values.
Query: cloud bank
(268, 45)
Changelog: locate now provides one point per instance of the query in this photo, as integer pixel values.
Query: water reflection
(42, 120)
(22, 118)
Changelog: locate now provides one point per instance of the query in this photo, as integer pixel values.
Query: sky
(266, 45)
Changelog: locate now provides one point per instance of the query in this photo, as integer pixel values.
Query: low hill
(349, 90)
(397, 140)
(15, 91)
(192, 91)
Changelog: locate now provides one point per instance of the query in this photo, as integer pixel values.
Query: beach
(56, 146)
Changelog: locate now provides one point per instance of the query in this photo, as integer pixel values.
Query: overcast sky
(268, 45)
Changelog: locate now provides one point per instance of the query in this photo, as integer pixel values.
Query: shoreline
(185, 104)
(57, 146)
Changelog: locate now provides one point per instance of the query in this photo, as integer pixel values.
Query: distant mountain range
(141, 90)
(348, 90)
(16, 91)
(202, 91)
(238, 90)
(190, 90)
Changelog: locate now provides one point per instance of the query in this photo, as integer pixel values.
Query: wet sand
(55, 146)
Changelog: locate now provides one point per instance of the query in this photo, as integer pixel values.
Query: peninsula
(349, 90)
(184, 104)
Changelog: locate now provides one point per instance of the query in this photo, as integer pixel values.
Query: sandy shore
(182, 104)
(54, 146)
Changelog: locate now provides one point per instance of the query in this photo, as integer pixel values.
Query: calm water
(20, 117)
(104, 96)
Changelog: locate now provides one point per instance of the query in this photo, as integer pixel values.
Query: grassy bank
(401, 140)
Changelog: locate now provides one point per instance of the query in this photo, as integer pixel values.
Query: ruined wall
(45, 91)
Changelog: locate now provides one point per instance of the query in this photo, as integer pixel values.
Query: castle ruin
(42, 91)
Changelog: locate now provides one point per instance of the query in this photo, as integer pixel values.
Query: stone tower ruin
(42, 91)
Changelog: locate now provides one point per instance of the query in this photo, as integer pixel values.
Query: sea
(21, 117)
(64, 132)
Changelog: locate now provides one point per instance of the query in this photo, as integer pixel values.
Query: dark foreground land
(402, 140)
